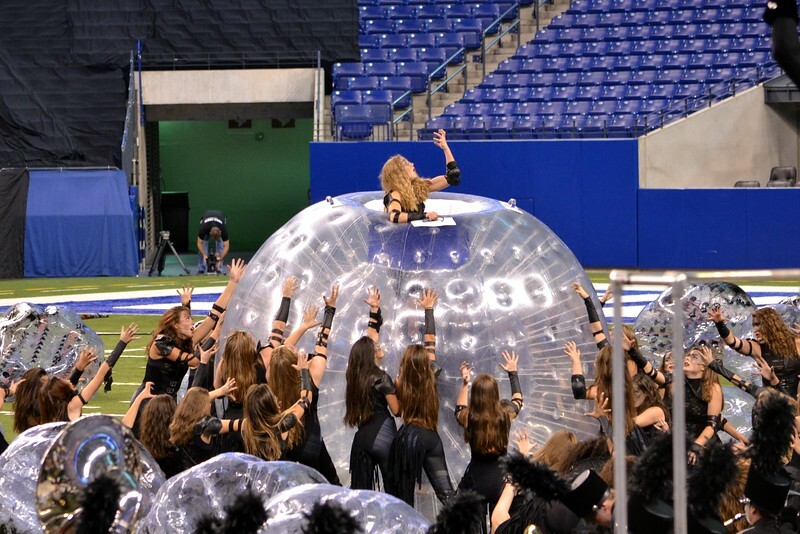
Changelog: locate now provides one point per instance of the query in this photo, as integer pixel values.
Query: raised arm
(309, 321)
(579, 390)
(452, 174)
(714, 423)
(224, 390)
(373, 300)
(185, 294)
(428, 301)
(84, 359)
(130, 416)
(595, 325)
(643, 364)
(318, 362)
(463, 394)
(236, 271)
(746, 347)
(510, 367)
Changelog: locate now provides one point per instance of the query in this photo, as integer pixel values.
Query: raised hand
(186, 294)
(600, 406)
(228, 387)
(373, 299)
(310, 317)
(571, 350)
(236, 270)
(205, 355)
(577, 288)
(85, 358)
(466, 372)
(705, 354)
(126, 335)
(715, 314)
(512, 361)
(767, 372)
(302, 362)
(440, 139)
(331, 301)
(290, 286)
(523, 442)
(147, 391)
(429, 297)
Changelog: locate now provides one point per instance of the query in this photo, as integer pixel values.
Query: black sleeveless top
(786, 369)
(165, 374)
(696, 408)
(387, 199)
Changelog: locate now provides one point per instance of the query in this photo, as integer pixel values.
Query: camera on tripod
(160, 257)
(211, 263)
(164, 235)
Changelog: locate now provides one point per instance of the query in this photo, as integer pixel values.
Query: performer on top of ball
(406, 192)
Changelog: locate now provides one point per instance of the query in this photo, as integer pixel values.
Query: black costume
(232, 441)
(311, 450)
(416, 215)
(786, 369)
(414, 449)
(373, 440)
(165, 374)
(697, 418)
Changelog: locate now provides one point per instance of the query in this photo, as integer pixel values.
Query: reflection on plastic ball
(50, 338)
(503, 280)
(376, 512)
(212, 485)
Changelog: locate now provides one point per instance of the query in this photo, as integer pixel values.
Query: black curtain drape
(13, 208)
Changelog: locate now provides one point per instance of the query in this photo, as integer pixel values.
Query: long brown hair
(552, 452)
(360, 376)
(154, 430)
(26, 400)
(394, 177)
(239, 362)
(602, 383)
(775, 332)
(649, 389)
(195, 405)
(709, 379)
(261, 429)
(488, 425)
(284, 383)
(166, 327)
(54, 398)
(416, 389)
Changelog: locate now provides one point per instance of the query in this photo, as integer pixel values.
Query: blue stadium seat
(578, 107)
(636, 90)
(375, 55)
(525, 109)
(440, 25)
(502, 109)
(591, 78)
(523, 128)
(510, 66)
(400, 86)
(378, 27)
(410, 26)
(663, 91)
(670, 75)
(364, 83)
(552, 107)
(346, 98)
(417, 72)
(708, 30)
(434, 57)
(422, 40)
(433, 124)
(368, 41)
(383, 68)
(366, 13)
(474, 128)
(634, 18)
(494, 80)
(628, 107)
(453, 43)
(457, 11)
(478, 108)
(489, 11)
(402, 54)
(523, 79)
(652, 105)
(564, 93)
(588, 92)
(580, 49)
(376, 97)
(430, 12)
(644, 76)
(644, 47)
(391, 2)
(471, 31)
(499, 127)
(508, 10)
(578, 63)
(515, 94)
(392, 41)
(547, 50)
(695, 75)
(402, 12)
(721, 74)
(493, 95)
(341, 70)
(458, 109)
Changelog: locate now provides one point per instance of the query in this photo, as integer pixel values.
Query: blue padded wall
(584, 190)
(79, 223)
(719, 228)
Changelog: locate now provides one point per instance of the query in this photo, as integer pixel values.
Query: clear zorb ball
(51, 338)
(503, 279)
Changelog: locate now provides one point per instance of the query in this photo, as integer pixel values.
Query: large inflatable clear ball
(503, 279)
(376, 512)
(50, 338)
(209, 487)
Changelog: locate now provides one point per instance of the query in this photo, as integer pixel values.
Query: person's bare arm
(236, 272)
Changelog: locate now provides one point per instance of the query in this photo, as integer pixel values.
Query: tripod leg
(171, 246)
(157, 259)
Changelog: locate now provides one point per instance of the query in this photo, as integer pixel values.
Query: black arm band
(591, 311)
(74, 377)
(578, 386)
(720, 369)
(637, 358)
(720, 423)
(430, 322)
(453, 174)
(605, 426)
(416, 216)
(751, 388)
(327, 320)
(305, 380)
(116, 353)
(513, 377)
(722, 328)
(696, 448)
(318, 355)
(188, 306)
(208, 343)
(214, 316)
(375, 320)
(277, 335)
(216, 307)
(283, 311)
(395, 216)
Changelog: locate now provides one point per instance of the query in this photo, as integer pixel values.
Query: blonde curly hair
(414, 190)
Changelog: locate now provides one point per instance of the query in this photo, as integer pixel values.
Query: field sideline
(129, 371)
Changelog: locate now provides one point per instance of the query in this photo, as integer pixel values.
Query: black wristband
(696, 448)
(375, 320)
(720, 369)
(283, 311)
(208, 343)
(722, 328)
(188, 306)
(116, 353)
(218, 308)
(430, 322)
(605, 425)
(453, 174)
(637, 357)
(513, 377)
(107, 381)
(305, 380)
(75, 376)
(591, 311)
(416, 216)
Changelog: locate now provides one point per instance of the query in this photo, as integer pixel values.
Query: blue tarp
(79, 223)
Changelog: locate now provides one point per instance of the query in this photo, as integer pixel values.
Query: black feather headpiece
(462, 515)
(536, 477)
(715, 471)
(773, 428)
(330, 518)
(99, 503)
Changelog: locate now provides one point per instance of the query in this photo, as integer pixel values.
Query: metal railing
(240, 60)
(678, 281)
(514, 27)
(463, 68)
(402, 116)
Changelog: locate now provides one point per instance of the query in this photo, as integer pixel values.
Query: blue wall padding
(79, 223)
(719, 228)
(584, 190)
